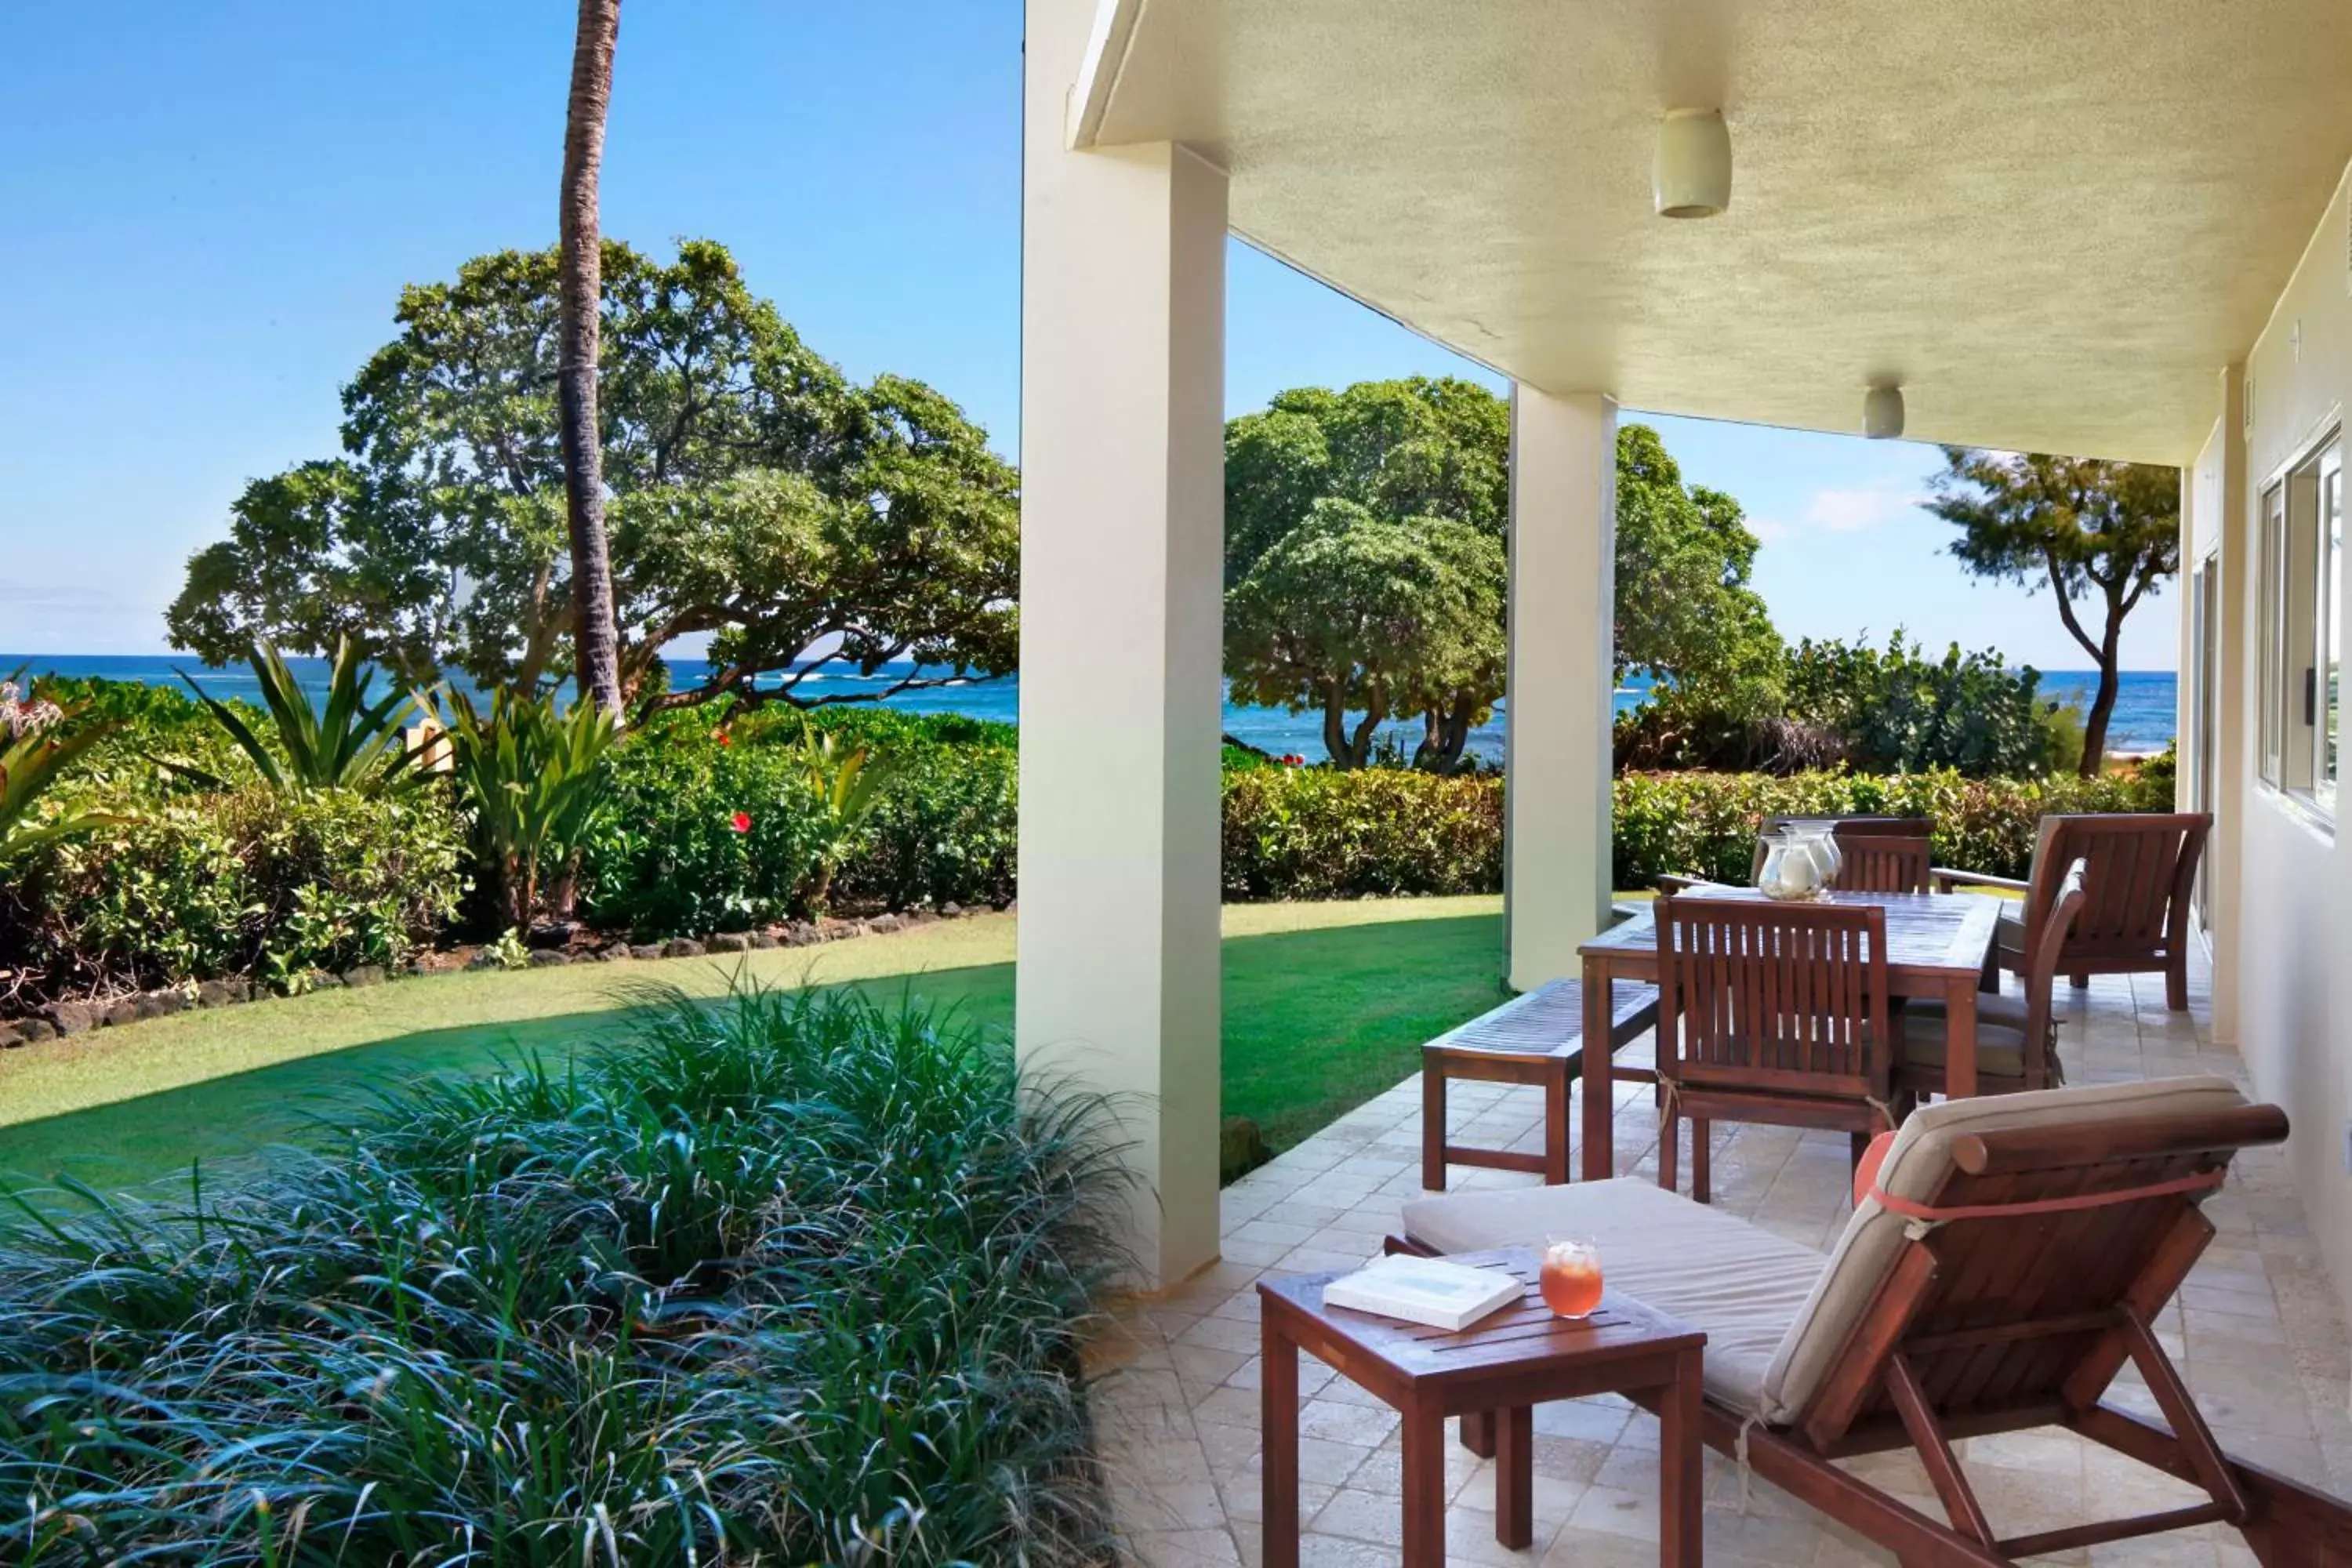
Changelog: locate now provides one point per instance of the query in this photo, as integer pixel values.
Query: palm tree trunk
(596, 643)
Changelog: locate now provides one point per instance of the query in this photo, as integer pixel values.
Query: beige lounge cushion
(1916, 1167)
(1741, 1283)
(1777, 1314)
(2008, 931)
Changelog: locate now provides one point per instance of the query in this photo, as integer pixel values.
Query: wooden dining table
(1939, 945)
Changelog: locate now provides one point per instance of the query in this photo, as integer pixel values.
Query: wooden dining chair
(1770, 1013)
(2141, 868)
(1882, 853)
(2017, 1036)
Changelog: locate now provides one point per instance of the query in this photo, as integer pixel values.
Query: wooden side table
(1506, 1364)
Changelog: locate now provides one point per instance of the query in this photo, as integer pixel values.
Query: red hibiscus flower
(743, 821)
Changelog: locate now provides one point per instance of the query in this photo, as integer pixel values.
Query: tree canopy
(753, 493)
(2085, 529)
(1400, 457)
(1352, 612)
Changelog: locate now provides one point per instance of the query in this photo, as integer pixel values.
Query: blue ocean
(2144, 720)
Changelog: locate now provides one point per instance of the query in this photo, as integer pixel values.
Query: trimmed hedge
(1316, 834)
(1312, 833)
(245, 882)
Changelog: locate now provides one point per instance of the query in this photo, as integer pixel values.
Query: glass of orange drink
(1571, 1276)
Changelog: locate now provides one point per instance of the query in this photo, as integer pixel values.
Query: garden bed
(793, 1278)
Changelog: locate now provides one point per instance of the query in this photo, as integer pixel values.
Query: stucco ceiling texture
(2051, 221)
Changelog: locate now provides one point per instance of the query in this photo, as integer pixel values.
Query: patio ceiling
(2052, 223)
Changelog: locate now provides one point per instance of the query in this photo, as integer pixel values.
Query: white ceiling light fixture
(1882, 413)
(1692, 176)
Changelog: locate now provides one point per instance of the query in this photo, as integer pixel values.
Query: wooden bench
(1536, 1039)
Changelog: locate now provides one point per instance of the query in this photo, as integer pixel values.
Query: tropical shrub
(796, 1279)
(247, 882)
(534, 779)
(943, 834)
(353, 742)
(1316, 833)
(1877, 710)
(702, 832)
(36, 749)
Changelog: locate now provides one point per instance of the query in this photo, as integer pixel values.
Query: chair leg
(2079, 981)
(1701, 1156)
(1433, 1126)
(2175, 982)
(1669, 1126)
(1555, 1130)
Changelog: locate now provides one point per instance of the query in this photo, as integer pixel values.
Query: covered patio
(2107, 229)
(2257, 1332)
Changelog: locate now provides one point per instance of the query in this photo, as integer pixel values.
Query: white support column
(1557, 709)
(2238, 699)
(1122, 458)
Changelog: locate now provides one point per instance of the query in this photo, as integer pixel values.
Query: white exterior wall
(1122, 530)
(2293, 996)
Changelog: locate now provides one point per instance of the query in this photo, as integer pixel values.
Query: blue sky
(211, 210)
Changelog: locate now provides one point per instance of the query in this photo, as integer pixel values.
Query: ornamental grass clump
(791, 1278)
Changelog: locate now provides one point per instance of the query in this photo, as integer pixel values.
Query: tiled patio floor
(2257, 1331)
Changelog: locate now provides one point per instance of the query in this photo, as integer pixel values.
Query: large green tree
(2105, 533)
(753, 494)
(1403, 453)
(1353, 611)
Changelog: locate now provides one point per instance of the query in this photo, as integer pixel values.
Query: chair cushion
(1916, 1167)
(1741, 1283)
(2008, 931)
(2001, 1034)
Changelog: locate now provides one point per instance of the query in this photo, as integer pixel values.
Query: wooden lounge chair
(1770, 1013)
(2141, 868)
(2008, 1264)
(1537, 1039)
(2017, 1036)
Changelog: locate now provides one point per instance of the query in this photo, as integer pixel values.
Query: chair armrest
(1669, 884)
(1947, 880)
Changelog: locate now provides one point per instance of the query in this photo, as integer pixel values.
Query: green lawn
(1324, 1005)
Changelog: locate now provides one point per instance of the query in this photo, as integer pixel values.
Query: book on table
(1424, 1290)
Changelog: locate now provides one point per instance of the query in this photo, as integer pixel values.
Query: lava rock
(363, 974)
(682, 947)
(166, 1002)
(240, 988)
(951, 911)
(646, 950)
(548, 958)
(883, 925)
(615, 953)
(35, 1028)
(325, 980)
(731, 941)
(121, 1013)
(76, 1017)
(10, 1037)
(765, 940)
(212, 993)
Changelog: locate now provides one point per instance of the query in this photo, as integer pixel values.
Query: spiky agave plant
(33, 757)
(353, 742)
(788, 1279)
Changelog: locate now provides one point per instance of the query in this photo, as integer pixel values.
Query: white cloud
(1844, 510)
(1766, 529)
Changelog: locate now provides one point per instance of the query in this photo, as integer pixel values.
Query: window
(2302, 629)
(2329, 657)
(2273, 631)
